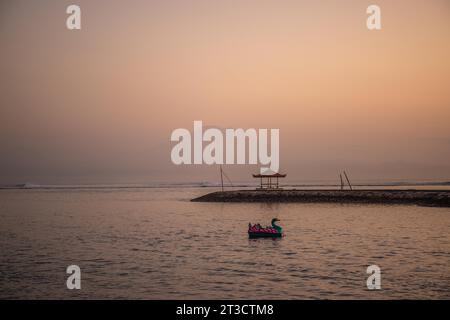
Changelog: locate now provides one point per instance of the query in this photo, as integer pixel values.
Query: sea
(140, 242)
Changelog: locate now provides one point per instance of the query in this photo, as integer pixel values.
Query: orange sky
(99, 105)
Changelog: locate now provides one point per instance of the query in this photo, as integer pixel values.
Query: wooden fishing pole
(221, 177)
(226, 176)
(348, 181)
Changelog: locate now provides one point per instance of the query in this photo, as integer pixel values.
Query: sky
(98, 105)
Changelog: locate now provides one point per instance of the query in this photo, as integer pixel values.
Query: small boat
(256, 231)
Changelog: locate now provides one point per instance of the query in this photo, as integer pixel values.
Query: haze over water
(154, 243)
(99, 104)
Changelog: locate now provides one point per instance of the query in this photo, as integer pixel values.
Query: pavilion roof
(269, 175)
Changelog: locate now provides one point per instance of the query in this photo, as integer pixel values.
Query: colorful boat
(256, 231)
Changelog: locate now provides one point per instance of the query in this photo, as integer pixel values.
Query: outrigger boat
(256, 231)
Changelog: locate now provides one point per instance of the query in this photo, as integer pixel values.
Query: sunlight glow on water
(156, 244)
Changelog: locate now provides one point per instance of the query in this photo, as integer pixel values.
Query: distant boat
(27, 185)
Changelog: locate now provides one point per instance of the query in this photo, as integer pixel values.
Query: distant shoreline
(435, 198)
(293, 185)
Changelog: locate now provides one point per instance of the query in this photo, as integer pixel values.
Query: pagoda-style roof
(269, 179)
(269, 175)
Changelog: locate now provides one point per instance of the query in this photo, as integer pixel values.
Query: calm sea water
(155, 244)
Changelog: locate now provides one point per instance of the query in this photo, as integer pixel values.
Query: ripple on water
(201, 252)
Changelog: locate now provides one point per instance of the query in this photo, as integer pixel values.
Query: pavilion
(269, 179)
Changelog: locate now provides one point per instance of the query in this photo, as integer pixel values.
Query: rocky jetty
(438, 198)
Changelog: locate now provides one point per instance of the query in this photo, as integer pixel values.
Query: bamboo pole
(348, 181)
(221, 177)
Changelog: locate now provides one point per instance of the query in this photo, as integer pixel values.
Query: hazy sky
(98, 105)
